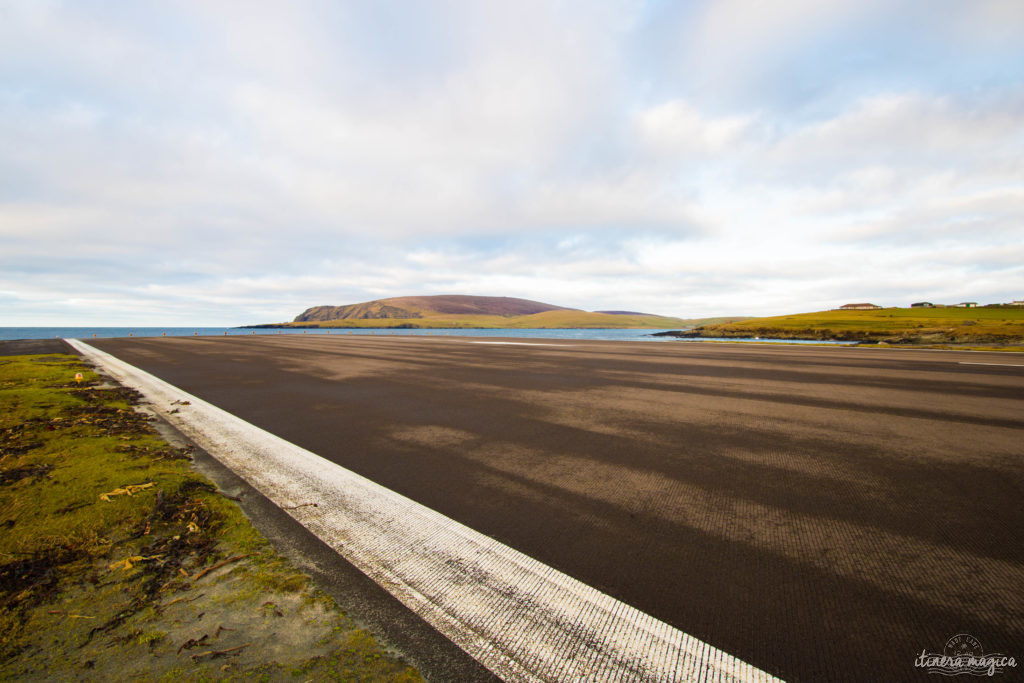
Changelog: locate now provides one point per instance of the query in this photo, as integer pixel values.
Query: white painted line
(1005, 365)
(521, 619)
(506, 343)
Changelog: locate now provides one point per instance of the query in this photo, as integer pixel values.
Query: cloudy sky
(231, 162)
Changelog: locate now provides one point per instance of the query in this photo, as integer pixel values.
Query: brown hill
(421, 306)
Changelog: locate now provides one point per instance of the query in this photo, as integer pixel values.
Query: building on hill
(922, 304)
(859, 307)
(966, 304)
(1017, 303)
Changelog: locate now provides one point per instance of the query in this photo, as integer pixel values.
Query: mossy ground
(165, 579)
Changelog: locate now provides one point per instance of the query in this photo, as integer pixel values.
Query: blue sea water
(86, 333)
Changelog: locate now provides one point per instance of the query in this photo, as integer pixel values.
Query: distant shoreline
(87, 333)
(414, 326)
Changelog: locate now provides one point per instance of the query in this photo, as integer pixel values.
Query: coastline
(427, 326)
(86, 333)
(850, 338)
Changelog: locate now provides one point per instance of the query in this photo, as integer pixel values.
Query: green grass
(992, 325)
(114, 588)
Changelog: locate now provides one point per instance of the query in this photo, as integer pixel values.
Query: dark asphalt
(32, 347)
(822, 513)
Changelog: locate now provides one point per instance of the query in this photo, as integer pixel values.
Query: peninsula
(458, 311)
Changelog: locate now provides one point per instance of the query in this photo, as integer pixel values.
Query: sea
(86, 333)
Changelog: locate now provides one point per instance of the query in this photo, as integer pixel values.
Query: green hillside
(558, 319)
(407, 307)
(464, 312)
(985, 325)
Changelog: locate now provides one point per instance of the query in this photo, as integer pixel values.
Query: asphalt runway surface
(31, 347)
(821, 513)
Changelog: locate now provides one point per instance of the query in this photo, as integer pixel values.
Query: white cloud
(982, 23)
(677, 128)
(253, 159)
(733, 34)
(911, 129)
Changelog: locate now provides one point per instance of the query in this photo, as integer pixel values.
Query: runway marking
(520, 618)
(1005, 365)
(506, 343)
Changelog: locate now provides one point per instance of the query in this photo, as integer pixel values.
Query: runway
(821, 513)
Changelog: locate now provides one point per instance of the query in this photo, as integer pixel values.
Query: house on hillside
(923, 304)
(966, 304)
(859, 307)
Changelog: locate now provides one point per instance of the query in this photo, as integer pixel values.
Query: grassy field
(545, 320)
(989, 325)
(118, 561)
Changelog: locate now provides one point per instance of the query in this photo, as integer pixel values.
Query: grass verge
(118, 561)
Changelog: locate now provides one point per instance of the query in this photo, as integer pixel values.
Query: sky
(223, 162)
